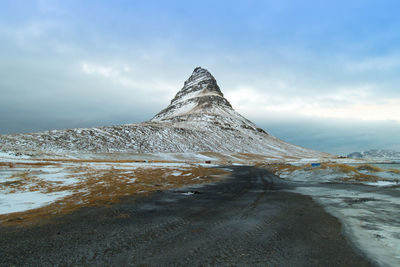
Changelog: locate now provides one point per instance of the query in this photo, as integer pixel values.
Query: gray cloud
(336, 136)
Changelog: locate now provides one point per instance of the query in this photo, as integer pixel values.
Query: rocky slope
(199, 118)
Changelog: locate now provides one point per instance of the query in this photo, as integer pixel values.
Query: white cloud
(388, 109)
(100, 70)
(359, 103)
(124, 75)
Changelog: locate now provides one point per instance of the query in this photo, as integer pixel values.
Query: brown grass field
(96, 187)
(354, 171)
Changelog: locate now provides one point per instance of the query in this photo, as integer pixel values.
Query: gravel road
(244, 220)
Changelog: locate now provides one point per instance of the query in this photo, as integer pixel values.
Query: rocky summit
(200, 94)
(198, 119)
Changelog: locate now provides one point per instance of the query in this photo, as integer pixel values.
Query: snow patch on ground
(4, 156)
(22, 201)
(314, 175)
(370, 218)
(383, 183)
(366, 201)
(33, 183)
(338, 173)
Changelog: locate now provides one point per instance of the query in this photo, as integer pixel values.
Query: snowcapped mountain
(198, 119)
(383, 154)
(200, 104)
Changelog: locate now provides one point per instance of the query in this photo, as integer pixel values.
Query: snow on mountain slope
(199, 118)
(377, 154)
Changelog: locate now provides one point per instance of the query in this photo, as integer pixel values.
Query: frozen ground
(31, 183)
(240, 221)
(371, 174)
(370, 215)
(365, 199)
(21, 201)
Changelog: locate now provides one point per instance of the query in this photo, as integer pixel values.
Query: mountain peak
(199, 74)
(200, 94)
(200, 83)
(199, 118)
(201, 70)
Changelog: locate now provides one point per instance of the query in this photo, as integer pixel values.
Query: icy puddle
(370, 215)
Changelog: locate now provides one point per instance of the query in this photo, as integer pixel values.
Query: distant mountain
(198, 119)
(377, 154)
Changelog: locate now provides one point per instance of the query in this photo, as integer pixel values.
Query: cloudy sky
(321, 74)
